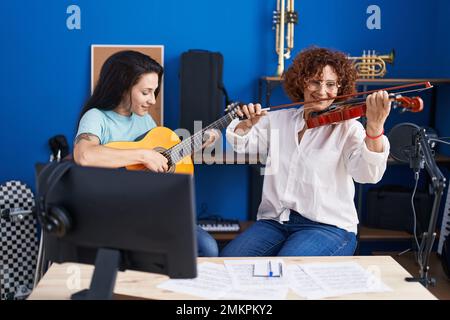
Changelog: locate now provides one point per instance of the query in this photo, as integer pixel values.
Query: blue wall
(45, 68)
(442, 64)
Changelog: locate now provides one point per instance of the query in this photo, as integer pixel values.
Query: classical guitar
(168, 143)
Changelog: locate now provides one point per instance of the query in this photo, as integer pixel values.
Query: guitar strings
(195, 141)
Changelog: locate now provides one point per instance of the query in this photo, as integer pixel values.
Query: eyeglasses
(315, 85)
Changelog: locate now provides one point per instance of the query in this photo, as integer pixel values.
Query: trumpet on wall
(371, 65)
(284, 19)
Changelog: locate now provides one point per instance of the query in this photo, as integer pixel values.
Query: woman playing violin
(307, 206)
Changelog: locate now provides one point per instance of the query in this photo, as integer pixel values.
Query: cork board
(99, 54)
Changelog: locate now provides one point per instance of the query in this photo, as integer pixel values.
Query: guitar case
(202, 91)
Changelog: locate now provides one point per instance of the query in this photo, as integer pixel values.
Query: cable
(416, 178)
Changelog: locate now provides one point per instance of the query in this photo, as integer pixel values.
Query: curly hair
(310, 63)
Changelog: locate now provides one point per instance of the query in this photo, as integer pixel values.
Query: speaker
(389, 207)
(55, 220)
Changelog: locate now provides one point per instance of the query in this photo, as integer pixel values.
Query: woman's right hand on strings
(252, 113)
(154, 161)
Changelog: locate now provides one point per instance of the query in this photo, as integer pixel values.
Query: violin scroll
(413, 104)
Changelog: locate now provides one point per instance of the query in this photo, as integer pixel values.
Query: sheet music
(303, 285)
(241, 273)
(235, 280)
(342, 278)
(445, 223)
(212, 282)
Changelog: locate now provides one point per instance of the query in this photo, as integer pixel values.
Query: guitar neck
(195, 142)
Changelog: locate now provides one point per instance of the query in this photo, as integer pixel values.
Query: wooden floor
(442, 288)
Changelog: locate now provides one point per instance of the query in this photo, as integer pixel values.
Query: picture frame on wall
(101, 52)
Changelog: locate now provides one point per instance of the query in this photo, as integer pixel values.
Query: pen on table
(270, 269)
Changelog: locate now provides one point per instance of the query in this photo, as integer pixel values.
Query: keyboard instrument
(219, 225)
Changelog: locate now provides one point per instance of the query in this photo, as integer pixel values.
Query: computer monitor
(117, 220)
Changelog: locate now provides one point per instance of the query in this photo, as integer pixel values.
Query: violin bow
(426, 85)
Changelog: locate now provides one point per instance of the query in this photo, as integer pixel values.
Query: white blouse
(315, 177)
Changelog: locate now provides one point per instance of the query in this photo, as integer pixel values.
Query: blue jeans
(207, 246)
(297, 237)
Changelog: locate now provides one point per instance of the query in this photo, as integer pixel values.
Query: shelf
(365, 233)
(372, 234)
(384, 81)
(228, 236)
(377, 81)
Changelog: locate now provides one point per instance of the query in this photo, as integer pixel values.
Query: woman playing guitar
(118, 111)
(307, 206)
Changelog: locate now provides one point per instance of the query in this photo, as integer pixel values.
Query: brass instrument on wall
(283, 17)
(370, 65)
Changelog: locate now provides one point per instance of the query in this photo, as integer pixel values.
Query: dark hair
(120, 73)
(308, 63)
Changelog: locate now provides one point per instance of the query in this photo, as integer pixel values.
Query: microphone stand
(423, 155)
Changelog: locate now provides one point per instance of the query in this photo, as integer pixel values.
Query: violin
(356, 108)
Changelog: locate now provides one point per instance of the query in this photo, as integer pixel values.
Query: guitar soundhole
(169, 162)
(171, 166)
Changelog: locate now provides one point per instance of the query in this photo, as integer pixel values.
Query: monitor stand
(104, 278)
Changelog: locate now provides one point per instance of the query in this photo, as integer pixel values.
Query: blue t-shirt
(109, 126)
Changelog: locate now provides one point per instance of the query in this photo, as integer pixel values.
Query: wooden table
(62, 280)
